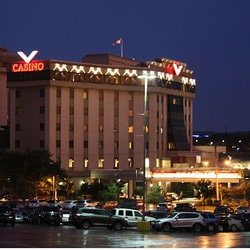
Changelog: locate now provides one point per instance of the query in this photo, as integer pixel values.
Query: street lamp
(146, 76)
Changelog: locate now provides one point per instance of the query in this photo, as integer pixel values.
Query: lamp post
(146, 77)
(216, 172)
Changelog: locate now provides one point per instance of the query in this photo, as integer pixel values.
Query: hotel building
(90, 116)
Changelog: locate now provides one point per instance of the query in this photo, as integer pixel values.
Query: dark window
(42, 92)
(42, 109)
(71, 144)
(18, 93)
(42, 126)
(17, 144)
(18, 126)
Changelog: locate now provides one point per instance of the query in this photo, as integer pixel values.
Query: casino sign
(28, 64)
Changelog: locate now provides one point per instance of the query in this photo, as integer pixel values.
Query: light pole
(146, 77)
(216, 172)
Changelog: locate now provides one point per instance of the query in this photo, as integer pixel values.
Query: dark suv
(86, 217)
(48, 215)
(223, 210)
(51, 215)
(7, 216)
(184, 207)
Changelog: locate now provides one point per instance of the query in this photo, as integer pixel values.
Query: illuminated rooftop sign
(29, 58)
(28, 64)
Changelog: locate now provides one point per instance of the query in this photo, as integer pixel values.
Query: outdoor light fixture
(146, 76)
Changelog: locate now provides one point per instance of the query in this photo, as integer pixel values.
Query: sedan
(228, 223)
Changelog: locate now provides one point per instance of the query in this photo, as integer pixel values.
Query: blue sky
(211, 36)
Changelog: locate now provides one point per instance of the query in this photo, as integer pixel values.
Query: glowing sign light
(29, 58)
(24, 67)
(29, 65)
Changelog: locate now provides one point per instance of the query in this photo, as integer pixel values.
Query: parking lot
(65, 236)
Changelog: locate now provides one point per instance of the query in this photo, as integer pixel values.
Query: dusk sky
(211, 36)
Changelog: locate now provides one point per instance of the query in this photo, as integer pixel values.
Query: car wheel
(197, 227)
(85, 224)
(118, 225)
(166, 227)
(211, 228)
(233, 228)
(220, 228)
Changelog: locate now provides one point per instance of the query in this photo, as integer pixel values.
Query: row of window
(101, 163)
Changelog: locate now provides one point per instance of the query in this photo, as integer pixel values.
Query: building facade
(89, 114)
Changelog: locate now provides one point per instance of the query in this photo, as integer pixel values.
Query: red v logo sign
(177, 69)
(27, 59)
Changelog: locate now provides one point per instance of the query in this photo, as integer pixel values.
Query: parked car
(128, 203)
(157, 213)
(229, 223)
(245, 219)
(223, 210)
(27, 215)
(167, 205)
(55, 203)
(38, 203)
(211, 220)
(107, 204)
(18, 215)
(69, 204)
(172, 196)
(90, 203)
(184, 207)
(87, 216)
(131, 215)
(66, 216)
(242, 209)
(7, 216)
(51, 215)
(46, 214)
(180, 220)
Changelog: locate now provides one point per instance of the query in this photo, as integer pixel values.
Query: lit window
(85, 127)
(101, 128)
(116, 163)
(85, 162)
(101, 163)
(85, 95)
(130, 162)
(130, 144)
(71, 163)
(131, 129)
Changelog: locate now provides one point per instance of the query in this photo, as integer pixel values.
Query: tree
(205, 189)
(21, 174)
(155, 195)
(109, 193)
(94, 189)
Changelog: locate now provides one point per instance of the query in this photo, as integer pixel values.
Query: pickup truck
(89, 216)
(131, 215)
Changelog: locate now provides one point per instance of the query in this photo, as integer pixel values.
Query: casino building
(90, 116)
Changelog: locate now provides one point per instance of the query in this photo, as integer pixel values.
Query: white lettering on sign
(27, 59)
(177, 69)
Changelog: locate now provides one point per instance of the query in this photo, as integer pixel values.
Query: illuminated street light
(146, 77)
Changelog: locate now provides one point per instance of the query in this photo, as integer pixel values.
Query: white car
(180, 220)
(131, 215)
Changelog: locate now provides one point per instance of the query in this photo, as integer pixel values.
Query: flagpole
(121, 47)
